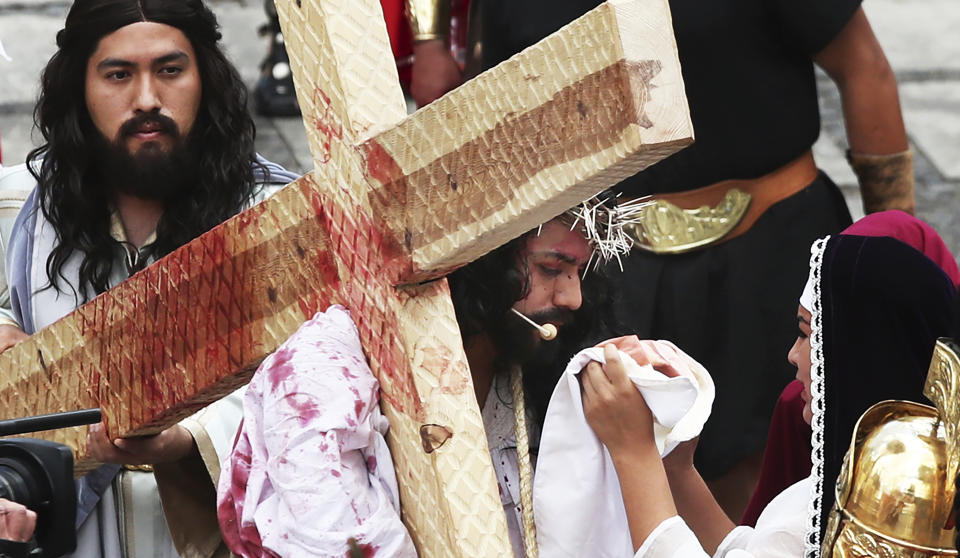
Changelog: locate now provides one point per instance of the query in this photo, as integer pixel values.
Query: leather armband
(429, 19)
(886, 181)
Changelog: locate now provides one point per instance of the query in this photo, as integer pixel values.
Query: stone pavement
(919, 37)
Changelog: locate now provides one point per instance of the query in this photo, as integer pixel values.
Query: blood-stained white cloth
(304, 475)
(577, 502)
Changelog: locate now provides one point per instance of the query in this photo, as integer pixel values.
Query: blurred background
(920, 38)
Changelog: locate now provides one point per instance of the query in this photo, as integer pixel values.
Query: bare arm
(653, 490)
(435, 72)
(694, 500)
(868, 88)
(871, 111)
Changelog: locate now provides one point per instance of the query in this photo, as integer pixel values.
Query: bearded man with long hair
(548, 276)
(148, 144)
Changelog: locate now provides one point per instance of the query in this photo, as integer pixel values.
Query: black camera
(39, 475)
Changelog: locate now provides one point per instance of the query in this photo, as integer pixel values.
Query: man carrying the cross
(312, 440)
(148, 144)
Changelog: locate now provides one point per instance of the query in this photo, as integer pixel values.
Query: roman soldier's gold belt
(685, 221)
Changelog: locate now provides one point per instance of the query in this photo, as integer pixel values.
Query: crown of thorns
(603, 222)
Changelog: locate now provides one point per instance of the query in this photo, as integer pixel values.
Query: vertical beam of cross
(348, 91)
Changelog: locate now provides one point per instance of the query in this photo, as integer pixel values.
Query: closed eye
(549, 271)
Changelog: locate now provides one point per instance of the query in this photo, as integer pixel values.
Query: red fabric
(909, 230)
(786, 458)
(401, 41)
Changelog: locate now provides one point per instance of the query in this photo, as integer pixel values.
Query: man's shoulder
(271, 177)
(269, 173)
(16, 183)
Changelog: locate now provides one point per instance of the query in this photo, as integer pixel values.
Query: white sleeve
(738, 543)
(671, 539)
(214, 428)
(674, 539)
(188, 487)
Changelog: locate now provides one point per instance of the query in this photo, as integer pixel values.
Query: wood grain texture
(393, 201)
(523, 142)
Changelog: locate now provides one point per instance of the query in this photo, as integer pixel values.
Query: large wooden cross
(393, 205)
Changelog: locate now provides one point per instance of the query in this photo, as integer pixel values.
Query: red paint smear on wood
(348, 229)
(324, 263)
(326, 122)
(194, 269)
(379, 164)
(250, 216)
(390, 195)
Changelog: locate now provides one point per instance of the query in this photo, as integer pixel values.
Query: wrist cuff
(886, 181)
(429, 19)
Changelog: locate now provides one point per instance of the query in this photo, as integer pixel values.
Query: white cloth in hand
(577, 502)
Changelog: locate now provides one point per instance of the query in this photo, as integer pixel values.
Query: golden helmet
(894, 495)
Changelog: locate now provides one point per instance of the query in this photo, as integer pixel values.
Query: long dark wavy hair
(484, 291)
(74, 201)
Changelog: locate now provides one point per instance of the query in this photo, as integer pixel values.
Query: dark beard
(519, 343)
(151, 173)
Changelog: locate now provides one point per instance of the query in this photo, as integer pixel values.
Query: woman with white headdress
(867, 323)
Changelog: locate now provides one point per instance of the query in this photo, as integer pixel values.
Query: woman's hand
(614, 408)
(661, 356)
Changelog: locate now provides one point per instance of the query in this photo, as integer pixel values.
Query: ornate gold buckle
(664, 228)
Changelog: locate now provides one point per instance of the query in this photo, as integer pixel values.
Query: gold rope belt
(685, 221)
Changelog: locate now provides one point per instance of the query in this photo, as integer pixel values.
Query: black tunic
(750, 84)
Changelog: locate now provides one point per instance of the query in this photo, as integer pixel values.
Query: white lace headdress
(812, 539)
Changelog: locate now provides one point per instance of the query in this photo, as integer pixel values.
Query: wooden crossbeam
(392, 203)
